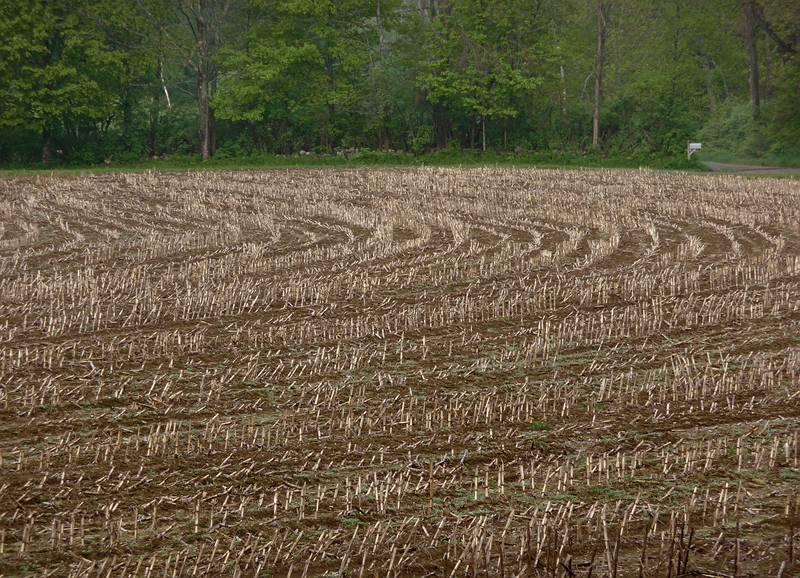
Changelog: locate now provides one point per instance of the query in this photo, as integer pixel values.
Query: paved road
(751, 169)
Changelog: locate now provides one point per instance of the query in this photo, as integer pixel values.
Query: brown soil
(432, 372)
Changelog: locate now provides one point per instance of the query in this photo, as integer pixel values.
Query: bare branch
(187, 55)
(784, 47)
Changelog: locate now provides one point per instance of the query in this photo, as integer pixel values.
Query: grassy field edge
(363, 159)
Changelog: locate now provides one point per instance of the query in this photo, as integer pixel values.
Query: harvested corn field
(430, 372)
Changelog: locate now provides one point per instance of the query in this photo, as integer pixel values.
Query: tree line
(87, 81)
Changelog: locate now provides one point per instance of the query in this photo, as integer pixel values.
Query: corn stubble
(430, 372)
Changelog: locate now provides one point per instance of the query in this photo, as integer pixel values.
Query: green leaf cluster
(87, 81)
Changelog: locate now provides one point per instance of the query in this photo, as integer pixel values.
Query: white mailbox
(693, 148)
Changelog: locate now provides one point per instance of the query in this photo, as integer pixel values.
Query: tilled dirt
(429, 372)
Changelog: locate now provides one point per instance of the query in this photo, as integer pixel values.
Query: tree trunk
(379, 22)
(384, 136)
(203, 98)
(328, 137)
(204, 83)
(127, 109)
(750, 42)
(155, 105)
(767, 67)
(441, 126)
(212, 118)
(127, 119)
(47, 146)
(599, 64)
(483, 132)
(152, 129)
(708, 78)
(212, 130)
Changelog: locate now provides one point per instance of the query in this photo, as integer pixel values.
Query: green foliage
(420, 139)
(68, 69)
(93, 81)
(302, 61)
(733, 129)
(477, 69)
(785, 111)
(56, 70)
(660, 98)
(733, 134)
(790, 474)
(608, 493)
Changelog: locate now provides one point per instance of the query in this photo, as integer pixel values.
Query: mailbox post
(693, 148)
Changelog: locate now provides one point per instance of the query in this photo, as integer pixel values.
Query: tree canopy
(86, 81)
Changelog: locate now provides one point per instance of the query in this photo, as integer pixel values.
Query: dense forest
(91, 81)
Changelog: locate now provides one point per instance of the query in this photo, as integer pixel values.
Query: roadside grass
(767, 160)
